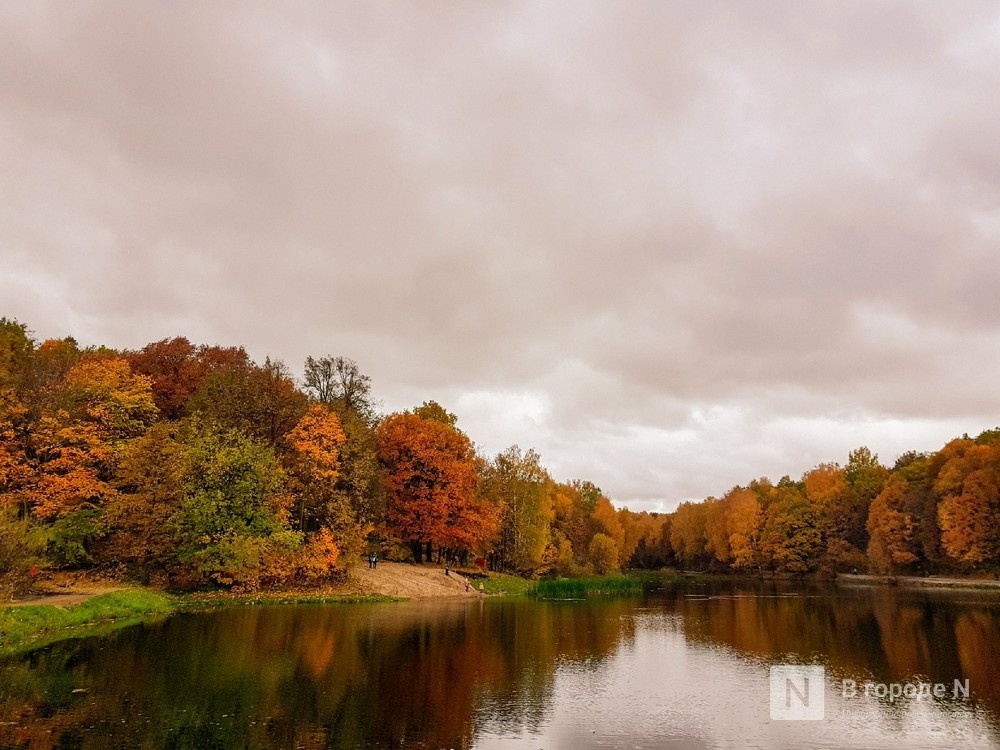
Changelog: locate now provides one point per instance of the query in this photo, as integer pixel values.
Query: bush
(69, 536)
(19, 548)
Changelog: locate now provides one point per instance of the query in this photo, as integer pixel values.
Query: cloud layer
(673, 246)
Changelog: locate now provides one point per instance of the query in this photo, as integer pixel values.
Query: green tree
(231, 515)
(516, 481)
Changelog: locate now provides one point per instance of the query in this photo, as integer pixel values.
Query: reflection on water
(685, 668)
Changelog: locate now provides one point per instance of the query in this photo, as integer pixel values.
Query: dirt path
(57, 600)
(61, 600)
(388, 579)
(410, 581)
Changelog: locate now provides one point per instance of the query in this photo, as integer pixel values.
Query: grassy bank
(502, 584)
(34, 625)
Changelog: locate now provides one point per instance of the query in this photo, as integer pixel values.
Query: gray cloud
(674, 246)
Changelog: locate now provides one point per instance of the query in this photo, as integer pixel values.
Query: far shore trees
(187, 464)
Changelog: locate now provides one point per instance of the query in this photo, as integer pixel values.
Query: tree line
(188, 465)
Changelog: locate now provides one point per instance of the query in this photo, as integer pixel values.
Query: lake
(685, 667)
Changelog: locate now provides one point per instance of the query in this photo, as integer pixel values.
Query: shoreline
(918, 582)
(85, 606)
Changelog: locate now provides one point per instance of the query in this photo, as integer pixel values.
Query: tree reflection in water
(447, 674)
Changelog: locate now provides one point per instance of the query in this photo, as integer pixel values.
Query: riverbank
(72, 605)
(75, 605)
(30, 625)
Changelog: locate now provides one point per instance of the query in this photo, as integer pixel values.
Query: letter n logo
(798, 692)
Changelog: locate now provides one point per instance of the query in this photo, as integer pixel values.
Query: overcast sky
(671, 245)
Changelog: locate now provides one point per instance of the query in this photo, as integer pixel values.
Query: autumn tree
(261, 401)
(744, 518)
(17, 348)
(967, 481)
(431, 479)
(891, 529)
(177, 369)
(100, 405)
(338, 383)
(571, 512)
(716, 529)
(602, 553)
(20, 548)
(605, 521)
(516, 482)
(687, 533)
(790, 541)
(865, 478)
(139, 519)
(312, 464)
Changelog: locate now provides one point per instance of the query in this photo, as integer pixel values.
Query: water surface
(686, 667)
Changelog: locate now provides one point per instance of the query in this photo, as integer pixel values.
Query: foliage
(20, 548)
(603, 554)
(231, 516)
(431, 479)
(338, 383)
(190, 464)
(68, 537)
(516, 483)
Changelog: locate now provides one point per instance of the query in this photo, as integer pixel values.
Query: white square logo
(798, 692)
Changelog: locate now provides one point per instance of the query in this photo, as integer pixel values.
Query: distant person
(374, 559)
(447, 567)
(467, 585)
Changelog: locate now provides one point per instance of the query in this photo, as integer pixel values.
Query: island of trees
(183, 465)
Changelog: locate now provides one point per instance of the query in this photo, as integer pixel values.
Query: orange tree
(431, 481)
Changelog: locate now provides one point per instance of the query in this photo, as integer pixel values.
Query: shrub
(19, 547)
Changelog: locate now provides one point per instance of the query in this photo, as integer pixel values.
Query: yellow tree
(98, 406)
(716, 531)
(519, 486)
(743, 522)
(687, 532)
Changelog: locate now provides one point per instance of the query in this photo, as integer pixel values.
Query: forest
(183, 465)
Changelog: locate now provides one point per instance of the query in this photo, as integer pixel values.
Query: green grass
(33, 625)
(501, 583)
